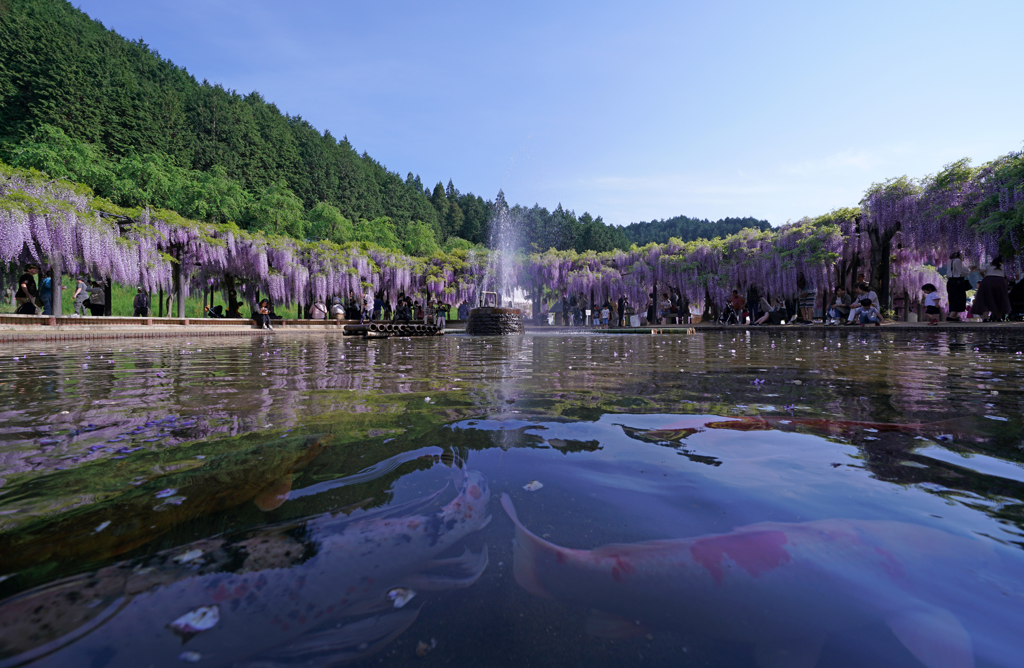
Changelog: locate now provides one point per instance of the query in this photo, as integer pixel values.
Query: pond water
(831, 498)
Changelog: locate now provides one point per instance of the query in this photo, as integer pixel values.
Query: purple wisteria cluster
(979, 211)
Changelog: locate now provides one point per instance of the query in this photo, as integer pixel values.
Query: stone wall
(490, 320)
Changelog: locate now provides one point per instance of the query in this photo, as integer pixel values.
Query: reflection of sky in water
(570, 412)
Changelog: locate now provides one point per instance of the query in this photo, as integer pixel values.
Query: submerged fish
(823, 426)
(786, 587)
(319, 592)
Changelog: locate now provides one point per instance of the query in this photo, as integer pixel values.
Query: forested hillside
(80, 102)
(687, 229)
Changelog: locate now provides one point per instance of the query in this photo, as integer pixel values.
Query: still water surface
(302, 500)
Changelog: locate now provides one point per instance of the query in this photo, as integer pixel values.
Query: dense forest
(80, 102)
(688, 229)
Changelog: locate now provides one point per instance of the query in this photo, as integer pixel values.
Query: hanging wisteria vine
(978, 211)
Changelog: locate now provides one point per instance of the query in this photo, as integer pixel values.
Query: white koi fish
(291, 601)
(786, 587)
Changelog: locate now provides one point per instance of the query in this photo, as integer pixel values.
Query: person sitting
(464, 311)
(318, 311)
(840, 308)
(262, 314)
(867, 313)
(404, 312)
(337, 309)
(774, 312)
(864, 291)
(215, 312)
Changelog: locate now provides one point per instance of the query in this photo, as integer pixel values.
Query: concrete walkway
(14, 328)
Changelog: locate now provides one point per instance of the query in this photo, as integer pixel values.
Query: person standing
(931, 303)
(441, 316)
(140, 304)
(993, 296)
(622, 310)
(806, 296)
(46, 292)
(366, 314)
(28, 282)
(97, 299)
(957, 286)
(78, 298)
(753, 303)
(464, 311)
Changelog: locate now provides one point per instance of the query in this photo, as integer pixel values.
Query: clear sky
(632, 111)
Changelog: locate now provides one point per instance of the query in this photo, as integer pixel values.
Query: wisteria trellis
(979, 211)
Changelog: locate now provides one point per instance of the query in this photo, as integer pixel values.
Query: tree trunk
(107, 298)
(56, 294)
(179, 286)
(160, 308)
(881, 255)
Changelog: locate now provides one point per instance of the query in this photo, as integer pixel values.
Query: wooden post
(107, 298)
(160, 309)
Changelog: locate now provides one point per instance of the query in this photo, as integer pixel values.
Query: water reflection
(325, 590)
(634, 439)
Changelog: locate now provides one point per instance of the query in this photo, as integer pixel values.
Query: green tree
(420, 240)
(326, 222)
(379, 231)
(52, 151)
(277, 211)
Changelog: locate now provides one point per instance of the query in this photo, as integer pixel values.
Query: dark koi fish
(783, 587)
(681, 429)
(337, 593)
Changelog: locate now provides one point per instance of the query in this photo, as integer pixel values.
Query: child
(931, 303)
(867, 313)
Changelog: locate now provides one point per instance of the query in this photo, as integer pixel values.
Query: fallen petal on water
(191, 657)
(195, 621)
(400, 596)
(533, 486)
(191, 555)
(164, 493)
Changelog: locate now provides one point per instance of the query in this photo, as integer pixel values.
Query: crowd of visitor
(994, 299)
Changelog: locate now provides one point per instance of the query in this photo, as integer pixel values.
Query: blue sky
(631, 111)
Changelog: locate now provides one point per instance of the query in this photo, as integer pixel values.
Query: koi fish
(826, 426)
(783, 587)
(323, 591)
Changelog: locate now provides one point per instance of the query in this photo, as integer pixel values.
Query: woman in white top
(957, 286)
(993, 296)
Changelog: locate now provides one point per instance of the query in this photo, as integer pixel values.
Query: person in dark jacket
(140, 304)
